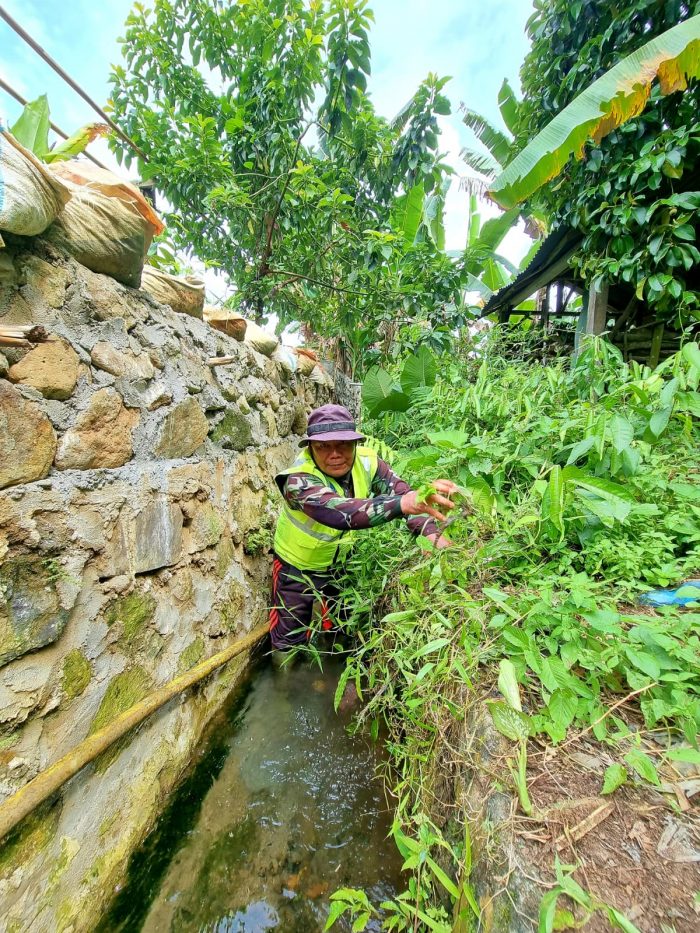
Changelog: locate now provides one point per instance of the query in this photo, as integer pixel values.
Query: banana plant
(622, 93)
(32, 131)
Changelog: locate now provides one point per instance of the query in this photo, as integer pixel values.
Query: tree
(634, 192)
(258, 130)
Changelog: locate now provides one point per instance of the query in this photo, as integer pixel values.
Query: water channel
(279, 809)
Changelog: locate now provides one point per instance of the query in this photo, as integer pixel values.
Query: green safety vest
(306, 543)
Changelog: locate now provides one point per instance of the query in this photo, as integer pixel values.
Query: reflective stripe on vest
(311, 545)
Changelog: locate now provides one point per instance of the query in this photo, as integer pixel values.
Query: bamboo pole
(26, 800)
(221, 360)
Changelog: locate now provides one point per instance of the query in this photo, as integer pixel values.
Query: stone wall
(136, 507)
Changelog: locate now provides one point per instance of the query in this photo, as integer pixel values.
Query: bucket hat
(330, 423)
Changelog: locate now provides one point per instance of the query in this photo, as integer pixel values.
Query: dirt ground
(638, 849)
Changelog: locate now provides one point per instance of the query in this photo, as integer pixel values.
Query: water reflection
(291, 815)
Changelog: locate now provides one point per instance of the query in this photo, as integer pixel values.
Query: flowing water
(280, 808)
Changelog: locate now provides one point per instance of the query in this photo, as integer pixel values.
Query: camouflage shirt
(305, 493)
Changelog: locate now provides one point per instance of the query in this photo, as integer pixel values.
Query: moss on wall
(76, 673)
(224, 556)
(232, 608)
(123, 692)
(192, 655)
(233, 431)
(29, 838)
(133, 611)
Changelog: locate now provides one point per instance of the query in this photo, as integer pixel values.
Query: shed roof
(548, 264)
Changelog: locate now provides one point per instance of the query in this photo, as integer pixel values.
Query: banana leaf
(622, 93)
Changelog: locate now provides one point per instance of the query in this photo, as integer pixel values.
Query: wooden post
(544, 310)
(597, 319)
(655, 351)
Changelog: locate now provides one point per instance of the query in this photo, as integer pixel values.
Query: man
(334, 488)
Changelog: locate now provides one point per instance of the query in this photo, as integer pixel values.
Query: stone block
(234, 431)
(101, 437)
(184, 430)
(45, 284)
(52, 368)
(30, 611)
(118, 363)
(27, 439)
(157, 537)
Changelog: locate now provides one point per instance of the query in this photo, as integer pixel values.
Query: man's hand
(439, 541)
(412, 505)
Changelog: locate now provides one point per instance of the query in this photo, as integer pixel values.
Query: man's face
(335, 458)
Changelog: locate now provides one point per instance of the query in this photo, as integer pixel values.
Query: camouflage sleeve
(303, 492)
(385, 483)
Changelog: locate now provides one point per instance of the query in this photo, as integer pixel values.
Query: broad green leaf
(659, 421)
(495, 229)
(562, 708)
(77, 143)
(419, 369)
(619, 920)
(494, 139)
(687, 754)
(691, 353)
(380, 393)
(604, 488)
(553, 503)
(548, 909)
(337, 909)
(580, 449)
(622, 433)
(510, 722)
(508, 684)
(615, 776)
(434, 645)
(617, 96)
(643, 765)
(643, 661)
(408, 213)
(478, 490)
(508, 105)
(32, 127)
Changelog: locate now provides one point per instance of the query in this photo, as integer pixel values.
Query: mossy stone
(133, 611)
(231, 609)
(30, 612)
(233, 431)
(192, 655)
(76, 673)
(125, 690)
(224, 556)
(32, 836)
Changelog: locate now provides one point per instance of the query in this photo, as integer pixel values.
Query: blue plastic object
(678, 597)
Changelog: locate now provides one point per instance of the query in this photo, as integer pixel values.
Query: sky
(476, 42)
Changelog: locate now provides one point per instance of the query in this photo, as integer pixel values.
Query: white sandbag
(107, 225)
(307, 359)
(286, 358)
(260, 340)
(30, 197)
(320, 376)
(228, 322)
(184, 294)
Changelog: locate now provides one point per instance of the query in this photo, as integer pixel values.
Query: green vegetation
(633, 195)
(192, 655)
(76, 673)
(580, 489)
(134, 612)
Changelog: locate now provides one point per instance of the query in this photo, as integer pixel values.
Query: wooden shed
(614, 311)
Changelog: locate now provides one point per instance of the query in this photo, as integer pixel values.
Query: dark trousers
(294, 592)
